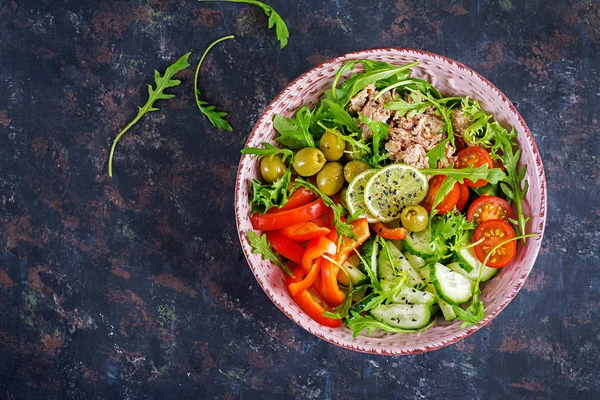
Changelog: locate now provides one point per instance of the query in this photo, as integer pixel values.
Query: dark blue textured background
(136, 287)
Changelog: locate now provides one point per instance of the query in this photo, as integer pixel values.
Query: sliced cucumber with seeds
(488, 273)
(354, 274)
(408, 295)
(418, 243)
(392, 188)
(447, 310)
(393, 264)
(451, 286)
(405, 316)
(415, 261)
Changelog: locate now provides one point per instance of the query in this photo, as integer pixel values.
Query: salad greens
(413, 265)
(261, 246)
(275, 19)
(217, 118)
(162, 82)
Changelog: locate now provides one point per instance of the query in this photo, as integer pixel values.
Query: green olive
(331, 146)
(350, 154)
(308, 161)
(414, 218)
(331, 178)
(272, 169)
(354, 168)
(343, 197)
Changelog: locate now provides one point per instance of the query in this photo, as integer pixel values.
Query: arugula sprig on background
(162, 83)
(275, 19)
(260, 245)
(217, 118)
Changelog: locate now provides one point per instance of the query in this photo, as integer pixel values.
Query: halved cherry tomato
(281, 219)
(389, 233)
(447, 203)
(309, 279)
(494, 232)
(315, 249)
(310, 301)
(299, 198)
(304, 231)
(475, 157)
(285, 246)
(488, 207)
(464, 197)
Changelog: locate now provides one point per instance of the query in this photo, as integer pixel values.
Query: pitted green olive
(332, 146)
(414, 218)
(354, 168)
(331, 178)
(308, 161)
(272, 168)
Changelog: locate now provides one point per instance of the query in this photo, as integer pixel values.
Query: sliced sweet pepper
(315, 249)
(285, 246)
(389, 233)
(304, 284)
(304, 231)
(281, 219)
(361, 230)
(299, 198)
(310, 301)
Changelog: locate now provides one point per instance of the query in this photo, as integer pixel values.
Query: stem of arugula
(196, 91)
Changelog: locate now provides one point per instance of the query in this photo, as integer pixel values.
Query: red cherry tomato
(487, 208)
(464, 197)
(447, 203)
(475, 157)
(494, 232)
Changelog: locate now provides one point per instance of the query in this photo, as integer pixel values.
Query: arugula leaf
(450, 232)
(216, 118)
(491, 175)
(270, 151)
(342, 228)
(404, 107)
(275, 19)
(356, 144)
(260, 245)
(380, 131)
(358, 82)
(473, 110)
(162, 83)
(341, 116)
(358, 323)
(294, 132)
(267, 196)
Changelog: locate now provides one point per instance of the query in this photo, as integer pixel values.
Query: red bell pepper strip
(310, 301)
(285, 246)
(329, 284)
(281, 219)
(304, 284)
(304, 231)
(315, 249)
(299, 198)
(389, 233)
(361, 230)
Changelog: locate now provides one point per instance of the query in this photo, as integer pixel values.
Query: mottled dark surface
(136, 287)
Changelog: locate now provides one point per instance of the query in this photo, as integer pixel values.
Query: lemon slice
(355, 195)
(392, 188)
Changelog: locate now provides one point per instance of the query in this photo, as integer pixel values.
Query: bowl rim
(366, 53)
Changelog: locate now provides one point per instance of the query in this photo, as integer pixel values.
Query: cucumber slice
(389, 271)
(355, 275)
(447, 310)
(403, 316)
(408, 295)
(451, 286)
(415, 261)
(417, 243)
(469, 266)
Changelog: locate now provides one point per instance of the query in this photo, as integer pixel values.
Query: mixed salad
(388, 203)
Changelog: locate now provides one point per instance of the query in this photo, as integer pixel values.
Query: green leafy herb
(162, 83)
(358, 323)
(342, 228)
(409, 109)
(269, 151)
(274, 19)
(380, 131)
(294, 132)
(475, 113)
(491, 175)
(341, 116)
(356, 144)
(450, 232)
(261, 246)
(217, 118)
(474, 313)
(267, 196)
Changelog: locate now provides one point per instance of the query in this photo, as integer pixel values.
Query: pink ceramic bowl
(451, 78)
